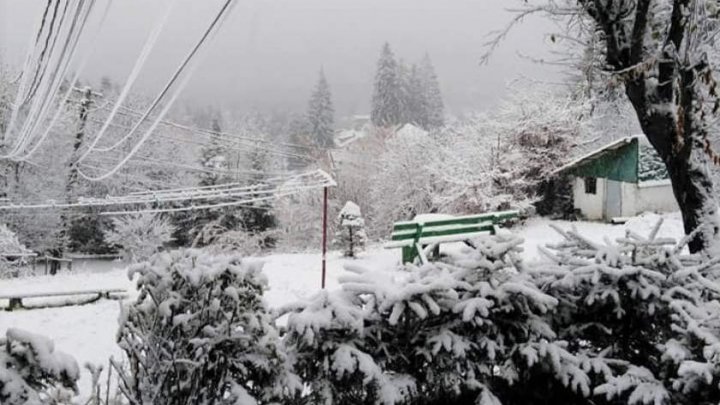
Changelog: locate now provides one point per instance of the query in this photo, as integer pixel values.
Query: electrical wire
(238, 194)
(72, 83)
(132, 77)
(49, 84)
(211, 30)
(65, 58)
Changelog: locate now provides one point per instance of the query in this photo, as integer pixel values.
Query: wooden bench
(16, 299)
(419, 238)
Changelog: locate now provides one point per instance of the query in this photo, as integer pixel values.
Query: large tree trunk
(693, 189)
(679, 139)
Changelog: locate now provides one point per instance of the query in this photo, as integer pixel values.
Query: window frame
(590, 185)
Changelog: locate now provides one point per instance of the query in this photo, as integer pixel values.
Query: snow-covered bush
(647, 315)
(468, 330)
(32, 372)
(242, 242)
(10, 245)
(350, 233)
(199, 333)
(403, 187)
(140, 235)
(325, 335)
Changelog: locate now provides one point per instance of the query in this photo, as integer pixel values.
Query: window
(590, 185)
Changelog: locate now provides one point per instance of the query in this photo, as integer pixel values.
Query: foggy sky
(268, 54)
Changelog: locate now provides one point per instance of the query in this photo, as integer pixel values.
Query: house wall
(655, 196)
(590, 205)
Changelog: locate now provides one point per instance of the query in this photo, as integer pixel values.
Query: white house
(621, 179)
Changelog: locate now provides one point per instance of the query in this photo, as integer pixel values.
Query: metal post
(324, 238)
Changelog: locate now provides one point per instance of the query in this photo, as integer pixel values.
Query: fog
(269, 52)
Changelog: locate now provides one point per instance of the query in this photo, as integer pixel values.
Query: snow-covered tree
(140, 235)
(468, 330)
(432, 103)
(32, 372)
(386, 109)
(350, 233)
(403, 187)
(300, 220)
(213, 158)
(320, 114)
(644, 312)
(665, 56)
(11, 245)
(199, 333)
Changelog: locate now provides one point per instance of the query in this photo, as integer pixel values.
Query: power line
(219, 18)
(235, 192)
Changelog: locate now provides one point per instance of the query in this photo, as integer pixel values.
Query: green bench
(419, 238)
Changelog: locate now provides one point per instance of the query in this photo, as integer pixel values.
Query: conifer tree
(321, 119)
(405, 92)
(212, 158)
(386, 99)
(417, 101)
(432, 96)
(350, 234)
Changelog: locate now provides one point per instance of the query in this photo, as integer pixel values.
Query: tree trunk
(693, 189)
(678, 138)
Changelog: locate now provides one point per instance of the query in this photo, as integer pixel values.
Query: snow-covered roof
(597, 153)
(410, 130)
(348, 136)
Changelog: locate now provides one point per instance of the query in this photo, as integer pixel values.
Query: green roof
(626, 159)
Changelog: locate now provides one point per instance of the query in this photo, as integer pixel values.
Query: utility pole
(86, 102)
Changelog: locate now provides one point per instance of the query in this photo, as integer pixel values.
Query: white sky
(269, 52)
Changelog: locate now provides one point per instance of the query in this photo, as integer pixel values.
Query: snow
(422, 218)
(654, 183)
(88, 332)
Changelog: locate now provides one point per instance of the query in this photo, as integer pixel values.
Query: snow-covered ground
(88, 331)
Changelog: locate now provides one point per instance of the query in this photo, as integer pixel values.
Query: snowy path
(88, 331)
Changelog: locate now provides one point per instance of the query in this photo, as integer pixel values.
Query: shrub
(140, 235)
(199, 333)
(465, 331)
(350, 233)
(33, 372)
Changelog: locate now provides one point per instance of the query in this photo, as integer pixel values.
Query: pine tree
(350, 234)
(257, 217)
(435, 114)
(321, 114)
(386, 99)
(213, 158)
(406, 100)
(417, 102)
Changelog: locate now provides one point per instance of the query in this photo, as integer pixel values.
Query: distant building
(355, 149)
(621, 179)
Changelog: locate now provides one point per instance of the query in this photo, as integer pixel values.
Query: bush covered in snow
(645, 313)
(10, 245)
(32, 372)
(350, 233)
(466, 331)
(139, 236)
(199, 333)
(627, 322)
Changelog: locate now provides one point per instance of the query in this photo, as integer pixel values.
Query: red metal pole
(324, 238)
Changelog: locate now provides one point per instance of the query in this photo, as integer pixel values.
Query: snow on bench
(16, 299)
(433, 229)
